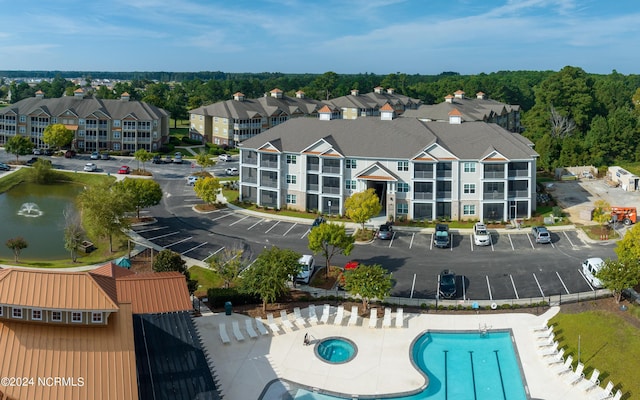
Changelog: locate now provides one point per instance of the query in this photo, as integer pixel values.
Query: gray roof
(263, 106)
(373, 100)
(471, 109)
(84, 107)
(402, 138)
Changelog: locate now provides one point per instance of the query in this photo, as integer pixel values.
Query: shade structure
(123, 262)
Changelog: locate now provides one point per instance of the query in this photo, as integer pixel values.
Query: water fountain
(30, 210)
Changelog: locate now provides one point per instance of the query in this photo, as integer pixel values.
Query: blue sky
(297, 36)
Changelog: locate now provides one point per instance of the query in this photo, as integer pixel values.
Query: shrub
(218, 296)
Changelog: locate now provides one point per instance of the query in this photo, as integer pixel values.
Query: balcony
(315, 167)
(249, 160)
(443, 173)
(444, 195)
(518, 172)
(423, 195)
(330, 170)
(423, 174)
(268, 164)
(518, 193)
(494, 174)
(330, 190)
(314, 187)
(249, 179)
(272, 183)
(493, 196)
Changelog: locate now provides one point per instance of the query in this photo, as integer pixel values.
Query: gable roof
(112, 270)
(471, 109)
(154, 292)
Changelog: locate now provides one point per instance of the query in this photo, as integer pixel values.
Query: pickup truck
(441, 238)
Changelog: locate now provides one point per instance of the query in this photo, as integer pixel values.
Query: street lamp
(329, 204)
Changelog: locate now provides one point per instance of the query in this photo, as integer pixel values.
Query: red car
(351, 265)
(124, 170)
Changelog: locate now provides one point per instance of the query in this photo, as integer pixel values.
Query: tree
(628, 248)
(142, 155)
(17, 244)
(602, 213)
(204, 160)
(57, 136)
(42, 172)
(617, 275)
(228, 264)
(103, 210)
(330, 239)
(207, 189)
(368, 282)
(168, 260)
(141, 192)
(362, 206)
(73, 232)
(18, 145)
(267, 277)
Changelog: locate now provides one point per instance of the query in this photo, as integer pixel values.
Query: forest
(572, 116)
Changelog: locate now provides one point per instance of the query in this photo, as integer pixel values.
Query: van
(307, 267)
(590, 268)
(177, 158)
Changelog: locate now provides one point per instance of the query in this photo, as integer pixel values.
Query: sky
(305, 36)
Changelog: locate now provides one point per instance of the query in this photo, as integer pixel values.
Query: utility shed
(625, 179)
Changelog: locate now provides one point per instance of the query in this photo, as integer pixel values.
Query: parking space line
(431, 242)
(489, 288)
(193, 248)
(569, 239)
(510, 241)
(178, 242)
(491, 242)
(392, 237)
(451, 241)
(151, 229)
(212, 254)
(241, 219)
(161, 236)
(272, 226)
(563, 285)
(225, 215)
(292, 226)
(413, 235)
(514, 286)
(192, 200)
(305, 234)
(585, 279)
(471, 241)
(538, 283)
(261, 220)
(531, 242)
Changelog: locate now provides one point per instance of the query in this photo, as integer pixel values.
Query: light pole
(329, 205)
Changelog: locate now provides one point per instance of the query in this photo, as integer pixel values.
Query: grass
(206, 279)
(607, 342)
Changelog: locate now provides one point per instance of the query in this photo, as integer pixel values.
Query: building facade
(420, 170)
(118, 125)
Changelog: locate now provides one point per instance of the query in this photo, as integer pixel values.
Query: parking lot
(513, 266)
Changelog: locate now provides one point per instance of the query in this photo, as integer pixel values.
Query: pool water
(336, 350)
(461, 366)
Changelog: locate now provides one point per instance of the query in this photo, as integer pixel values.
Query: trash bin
(227, 308)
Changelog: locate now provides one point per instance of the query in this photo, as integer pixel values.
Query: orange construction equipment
(626, 215)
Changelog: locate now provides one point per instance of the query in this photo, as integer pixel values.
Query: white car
(224, 157)
(590, 268)
(232, 171)
(481, 236)
(307, 267)
(192, 179)
(90, 167)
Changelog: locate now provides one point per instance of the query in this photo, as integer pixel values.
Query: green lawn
(607, 342)
(206, 279)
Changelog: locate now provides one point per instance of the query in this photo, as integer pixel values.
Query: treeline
(572, 116)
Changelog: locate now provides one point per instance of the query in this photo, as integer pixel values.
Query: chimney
(125, 96)
(39, 94)
(448, 98)
(276, 93)
(300, 94)
(459, 94)
(378, 89)
(237, 96)
(355, 92)
(78, 93)
(455, 117)
(387, 113)
(324, 114)
(481, 96)
(391, 91)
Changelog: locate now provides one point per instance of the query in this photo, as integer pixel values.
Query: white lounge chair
(373, 318)
(284, 318)
(275, 328)
(337, 320)
(386, 320)
(298, 315)
(576, 376)
(249, 326)
(353, 318)
(548, 350)
(564, 368)
(557, 358)
(399, 318)
(591, 383)
(544, 334)
(261, 327)
(326, 310)
(617, 396)
(313, 317)
(548, 342)
(601, 394)
(223, 333)
(542, 327)
(236, 331)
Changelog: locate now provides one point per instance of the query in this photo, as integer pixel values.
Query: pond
(36, 212)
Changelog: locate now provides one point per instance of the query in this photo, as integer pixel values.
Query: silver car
(541, 234)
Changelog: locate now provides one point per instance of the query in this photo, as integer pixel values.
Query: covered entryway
(380, 179)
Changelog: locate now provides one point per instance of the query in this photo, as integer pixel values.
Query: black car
(4, 167)
(441, 238)
(157, 159)
(32, 160)
(447, 284)
(318, 221)
(385, 232)
(47, 152)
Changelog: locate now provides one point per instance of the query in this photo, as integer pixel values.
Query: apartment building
(118, 125)
(230, 122)
(480, 108)
(422, 170)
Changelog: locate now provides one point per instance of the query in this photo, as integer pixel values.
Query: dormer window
(16, 313)
(96, 317)
(56, 316)
(76, 316)
(36, 315)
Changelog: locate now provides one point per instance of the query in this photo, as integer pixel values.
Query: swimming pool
(461, 366)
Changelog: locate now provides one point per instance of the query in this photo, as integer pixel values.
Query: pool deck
(382, 366)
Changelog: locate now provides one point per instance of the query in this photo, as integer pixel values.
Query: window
(469, 167)
(96, 317)
(469, 209)
(469, 188)
(351, 163)
(116, 146)
(23, 118)
(16, 312)
(81, 133)
(56, 316)
(116, 123)
(1, 311)
(116, 134)
(292, 179)
(403, 187)
(291, 159)
(403, 165)
(36, 315)
(402, 208)
(350, 184)
(292, 199)
(54, 120)
(23, 129)
(76, 316)
(80, 121)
